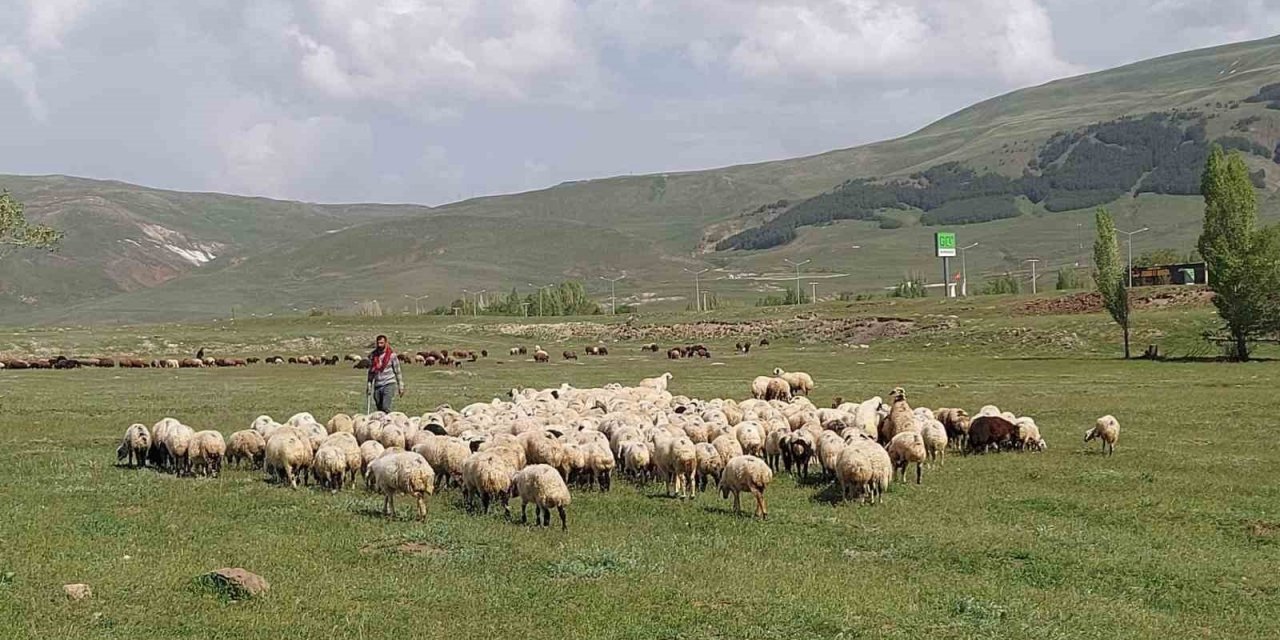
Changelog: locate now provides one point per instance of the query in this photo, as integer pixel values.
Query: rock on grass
(234, 583)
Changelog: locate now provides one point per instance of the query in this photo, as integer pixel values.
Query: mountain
(1034, 162)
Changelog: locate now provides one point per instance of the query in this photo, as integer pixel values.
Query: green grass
(1177, 535)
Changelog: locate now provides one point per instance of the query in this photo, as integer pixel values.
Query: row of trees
(1243, 260)
(568, 298)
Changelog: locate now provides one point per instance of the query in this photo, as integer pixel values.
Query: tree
(1109, 274)
(1067, 279)
(1158, 257)
(1241, 259)
(16, 232)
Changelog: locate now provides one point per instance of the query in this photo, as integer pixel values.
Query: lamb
(1107, 430)
(900, 418)
(487, 475)
(658, 384)
(935, 440)
(904, 449)
(864, 469)
(746, 473)
(403, 472)
(798, 382)
(542, 485)
(288, 455)
(246, 445)
(329, 467)
(370, 450)
(206, 452)
(134, 446)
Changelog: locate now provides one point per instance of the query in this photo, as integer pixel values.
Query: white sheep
(1107, 430)
(935, 440)
(904, 449)
(637, 460)
(799, 382)
(900, 418)
(486, 475)
(751, 437)
(206, 451)
(288, 456)
(1028, 437)
(329, 467)
(370, 450)
(134, 446)
(864, 469)
(677, 460)
(746, 473)
(340, 422)
(542, 485)
(658, 384)
(246, 445)
(403, 472)
(710, 464)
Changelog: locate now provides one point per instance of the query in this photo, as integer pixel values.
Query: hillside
(655, 226)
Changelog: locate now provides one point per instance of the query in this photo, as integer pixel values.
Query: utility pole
(697, 287)
(797, 265)
(813, 298)
(964, 271)
(1131, 234)
(613, 297)
(1033, 262)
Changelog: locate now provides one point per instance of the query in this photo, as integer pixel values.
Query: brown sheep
(990, 431)
(569, 355)
(541, 356)
(899, 420)
(674, 354)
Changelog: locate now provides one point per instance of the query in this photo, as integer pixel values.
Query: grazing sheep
(542, 485)
(288, 456)
(990, 431)
(751, 437)
(340, 422)
(677, 460)
(746, 473)
(900, 418)
(935, 440)
(1107, 430)
(956, 422)
(370, 450)
(403, 472)
(206, 451)
(329, 467)
(177, 444)
(569, 355)
(658, 384)
(798, 382)
(1028, 436)
(446, 455)
(710, 464)
(541, 356)
(486, 475)
(134, 446)
(864, 469)
(246, 445)
(637, 460)
(600, 464)
(798, 448)
(904, 449)
(674, 354)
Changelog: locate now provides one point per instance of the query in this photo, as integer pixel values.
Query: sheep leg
(564, 523)
(737, 506)
(606, 482)
(919, 471)
(506, 505)
(760, 506)
(288, 476)
(484, 502)
(524, 511)
(422, 506)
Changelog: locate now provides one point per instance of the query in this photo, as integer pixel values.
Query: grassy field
(1175, 536)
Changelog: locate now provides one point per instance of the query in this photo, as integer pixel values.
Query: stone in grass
(234, 583)
(77, 591)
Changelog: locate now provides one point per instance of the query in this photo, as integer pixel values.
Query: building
(1188, 273)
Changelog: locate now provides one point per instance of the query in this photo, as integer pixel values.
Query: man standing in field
(384, 375)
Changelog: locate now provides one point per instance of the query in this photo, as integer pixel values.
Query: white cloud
(898, 40)
(49, 21)
(18, 70)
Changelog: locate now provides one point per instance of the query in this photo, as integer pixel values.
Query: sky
(432, 101)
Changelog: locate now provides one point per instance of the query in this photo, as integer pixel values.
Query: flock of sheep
(535, 444)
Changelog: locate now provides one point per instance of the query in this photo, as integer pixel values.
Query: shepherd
(385, 382)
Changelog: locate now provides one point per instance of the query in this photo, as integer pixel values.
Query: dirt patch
(421, 549)
(1091, 302)
(807, 328)
(1264, 530)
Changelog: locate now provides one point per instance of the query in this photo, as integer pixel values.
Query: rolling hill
(141, 254)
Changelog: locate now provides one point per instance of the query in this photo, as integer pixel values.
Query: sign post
(944, 243)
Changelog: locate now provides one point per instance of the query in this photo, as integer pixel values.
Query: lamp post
(964, 271)
(797, 265)
(1131, 234)
(613, 298)
(697, 287)
(813, 297)
(1033, 262)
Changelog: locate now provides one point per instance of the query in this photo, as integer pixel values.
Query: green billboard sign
(945, 243)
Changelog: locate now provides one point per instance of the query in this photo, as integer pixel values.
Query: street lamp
(797, 265)
(697, 287)
(964, 271)
(613, 299)
(1131, 234)
(1033, 262)
(540, 294)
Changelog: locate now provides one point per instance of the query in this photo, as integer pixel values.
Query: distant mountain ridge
(134, 253)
